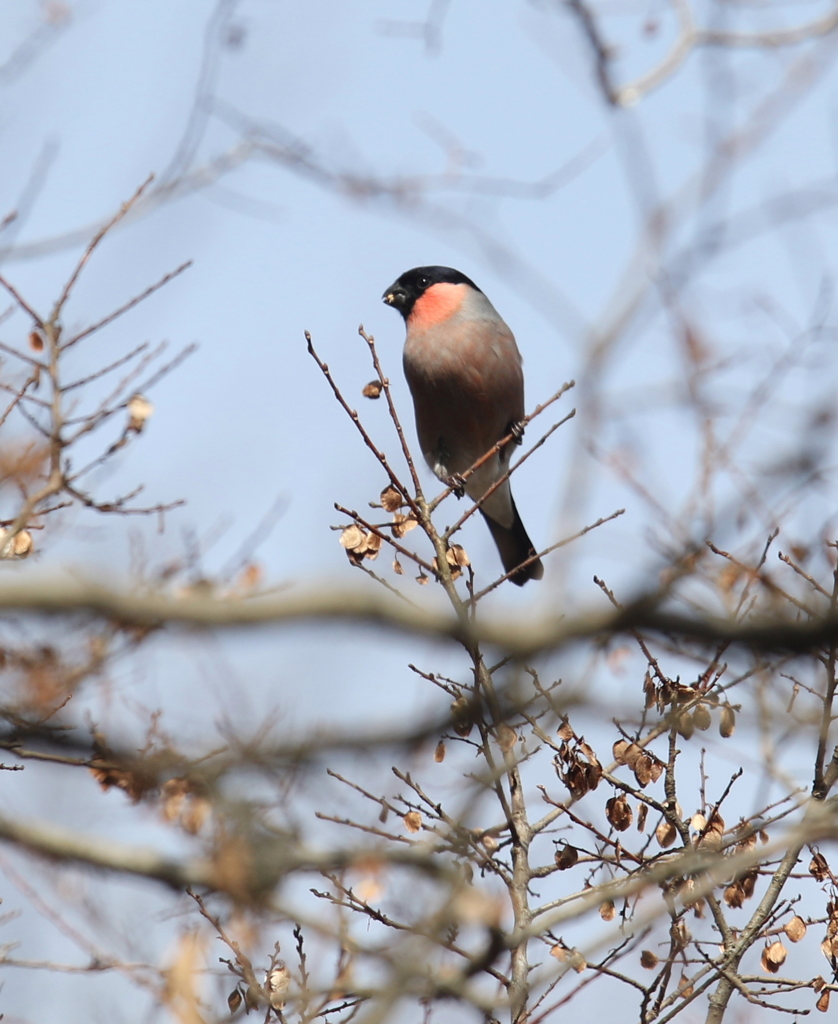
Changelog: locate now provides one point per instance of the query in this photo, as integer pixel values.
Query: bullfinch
(464, 372)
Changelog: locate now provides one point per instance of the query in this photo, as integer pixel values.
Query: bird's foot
(517, 431)
(457, 484)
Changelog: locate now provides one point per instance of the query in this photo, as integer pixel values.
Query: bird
(465, 376)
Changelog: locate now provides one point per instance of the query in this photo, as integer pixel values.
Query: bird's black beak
(395, 296)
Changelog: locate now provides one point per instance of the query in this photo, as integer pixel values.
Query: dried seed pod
(402, 524)
(372, 546)
(648, 960)
(139, 410)
(566, 857)
(457, 556)
(642, 812)
(461, 716)
(194, 814)
(391, 500)
(822, 1004)
(619, 813)
(607, 910)
(685, 988)
(22, 544)
(701, 718)
(593, 775)
(818, 867)
(665, 834)
(373, 389)
(277, 983)
(18, 546)
(506, 737)
(727, 722)
(454, 569)
(649, 691)
(564, 731)
(686, 725)
(713, 832)
(575, 778)
(748, 838)
(439, 753)
(773, 957)
(734, 896)
(795, 929)
(412, 821)
(680, 935)
(352, 537)
(577, 961)
(643, 770)
(626, 753)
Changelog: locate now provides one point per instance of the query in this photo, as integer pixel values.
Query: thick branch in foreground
(259, 868)
(519, 637)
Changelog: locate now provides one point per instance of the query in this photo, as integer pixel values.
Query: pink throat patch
(436, 305)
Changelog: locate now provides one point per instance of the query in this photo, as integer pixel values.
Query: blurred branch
(520, 637)
(688, 38)
(264, 861)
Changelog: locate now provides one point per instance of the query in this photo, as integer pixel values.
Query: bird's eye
(424, 282)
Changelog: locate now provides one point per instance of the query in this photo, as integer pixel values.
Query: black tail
(515, 547)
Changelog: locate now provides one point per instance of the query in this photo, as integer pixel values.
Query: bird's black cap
(404, 292)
